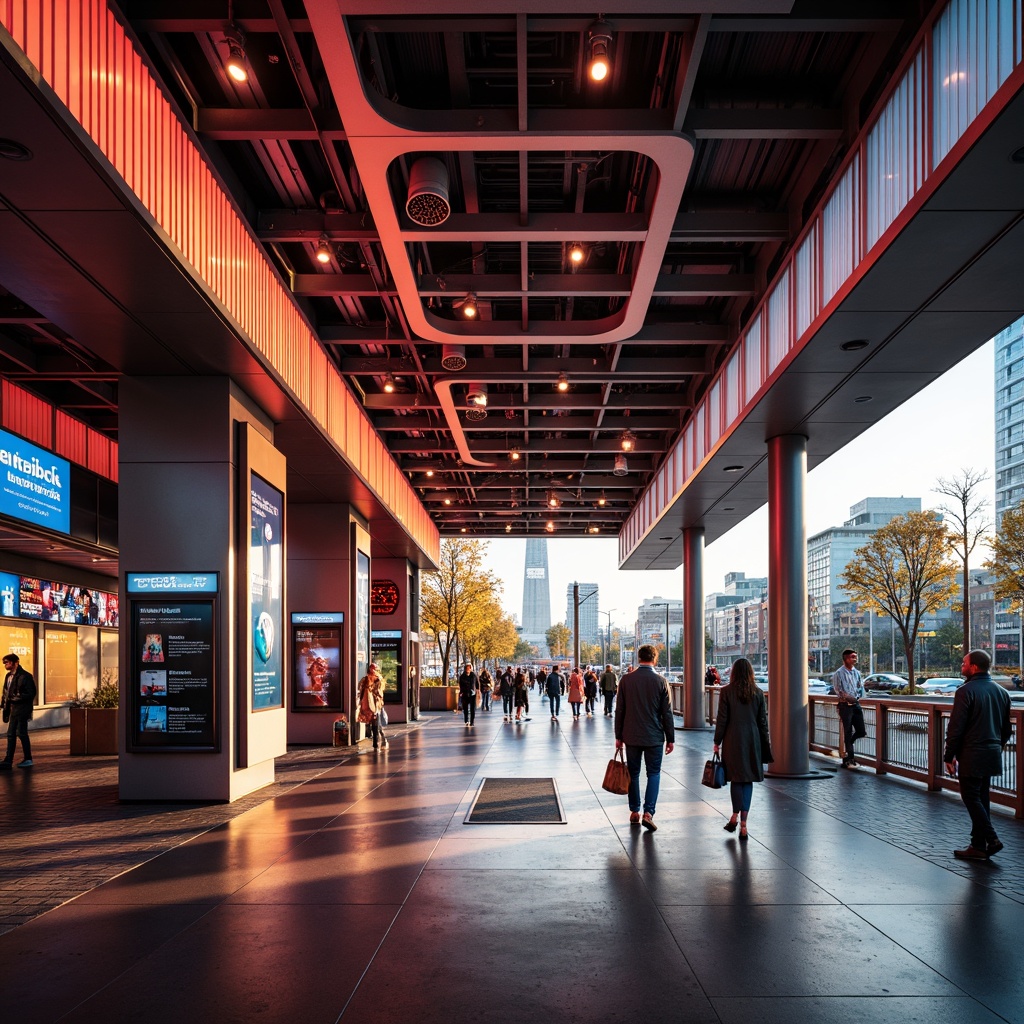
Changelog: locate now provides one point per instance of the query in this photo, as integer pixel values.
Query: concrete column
(787, 604)
(693, 628)
(320, 573)
(178, 500)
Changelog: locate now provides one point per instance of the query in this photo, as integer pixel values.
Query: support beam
(693, 628)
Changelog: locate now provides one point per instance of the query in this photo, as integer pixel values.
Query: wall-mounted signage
(386, 653)
(384, 597)
(34, 484)
(316, 671)
(173, 675)
(171, 582)
(10, 595)
(54, 601)
(266, 564)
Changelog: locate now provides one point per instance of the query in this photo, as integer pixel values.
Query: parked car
(820, 686)
(941, 684)
(761, 678)
(884, 681)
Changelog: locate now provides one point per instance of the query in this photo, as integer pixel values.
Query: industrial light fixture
(427, 203)
(453, 357)
(447, 501)
(550, 527)
(389, 384)
(594, 529)
(563, 383)
(553, 501)
(627, 440)
(508, 527)
(468, 307)
(463, 530)
(576, 254)
(323, 250)
(235, 65)
(477, 395)
(621, 466)
(602, 500)
(514, 454)
(430, 472)
(599, 44)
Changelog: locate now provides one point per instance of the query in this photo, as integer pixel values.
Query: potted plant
(94, 718)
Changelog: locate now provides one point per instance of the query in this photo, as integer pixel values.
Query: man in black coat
(979, 728)
(469, 683)
(19, 694)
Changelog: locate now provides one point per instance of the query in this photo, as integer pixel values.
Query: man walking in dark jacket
(18, 700)
(643, 721)
(468, 685)
(979, 728)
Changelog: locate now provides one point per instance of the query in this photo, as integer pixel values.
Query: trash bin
(341, 732)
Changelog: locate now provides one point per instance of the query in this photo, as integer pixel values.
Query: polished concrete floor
(360, 895)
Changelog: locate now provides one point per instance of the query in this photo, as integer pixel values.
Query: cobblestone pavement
(905, 814)
(63, 830)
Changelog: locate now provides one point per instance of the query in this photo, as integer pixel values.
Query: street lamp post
(668, 639)
(605, 648)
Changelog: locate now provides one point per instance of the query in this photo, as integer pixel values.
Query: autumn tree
(489, 634)
(1007, 561)
(559, 638)
(904, 571)
(966, 523)
(456, 598)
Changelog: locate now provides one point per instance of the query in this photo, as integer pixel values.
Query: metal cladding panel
(26, 415)
(100, 449)
(84, 54)
(961, 57)
(72, 439)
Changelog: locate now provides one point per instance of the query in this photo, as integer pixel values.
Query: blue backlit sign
(34, 484)
(317, 618)
(171, 582)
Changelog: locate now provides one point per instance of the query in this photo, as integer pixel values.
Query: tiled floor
(356, 893)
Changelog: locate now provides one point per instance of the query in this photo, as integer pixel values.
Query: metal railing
(904, 737)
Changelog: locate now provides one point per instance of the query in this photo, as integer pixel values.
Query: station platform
(352, 890)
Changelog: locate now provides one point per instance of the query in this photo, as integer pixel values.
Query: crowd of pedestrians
(641, 705)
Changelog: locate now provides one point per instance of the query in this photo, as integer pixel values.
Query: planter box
(94, 730)
(438, 698)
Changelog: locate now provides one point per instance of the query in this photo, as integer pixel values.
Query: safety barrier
(905, 737)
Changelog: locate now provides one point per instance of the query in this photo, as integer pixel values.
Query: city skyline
(902, 455)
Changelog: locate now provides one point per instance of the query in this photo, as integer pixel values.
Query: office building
(536, 594)
(588, 605)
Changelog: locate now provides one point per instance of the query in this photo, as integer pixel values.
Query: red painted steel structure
(82, 52)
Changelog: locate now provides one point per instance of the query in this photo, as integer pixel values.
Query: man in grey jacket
(643, 721)
(979, 728)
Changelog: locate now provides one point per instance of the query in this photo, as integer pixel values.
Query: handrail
(904, 737)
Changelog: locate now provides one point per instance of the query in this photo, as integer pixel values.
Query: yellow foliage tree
(488, 634)
(559, 638)
(455, 599)
(904, 571)
(1007, 561)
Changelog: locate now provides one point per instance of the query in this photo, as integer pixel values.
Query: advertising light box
(34, 484)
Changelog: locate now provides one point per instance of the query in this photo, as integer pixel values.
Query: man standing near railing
(849, 689)
(979, 728)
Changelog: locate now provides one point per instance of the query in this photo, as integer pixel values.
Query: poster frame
(133, 744)
(312, 620)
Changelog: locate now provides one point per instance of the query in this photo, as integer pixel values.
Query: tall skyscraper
(536, 594)
(1009, 417)
(589, 632)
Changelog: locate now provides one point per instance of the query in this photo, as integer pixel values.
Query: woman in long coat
(741, 733)
(576, 692)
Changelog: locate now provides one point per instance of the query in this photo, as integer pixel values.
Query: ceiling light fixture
(576, 254)
(550, 527)
(602, 500)
(854, 346)
(389, 384)
(430, 472)
(599, 43)
(594, 529)
(468, 307)
(553, 501)
(477, 395)
(563, 383)
(453, 357)
(627, 440)
(447, 501)
(514, 454)
(235, 65)
(323, 250)
(732, 469)
(508, 527)
(621, 466)
(427, 202)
